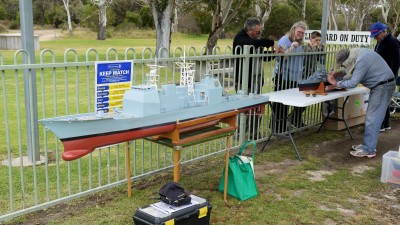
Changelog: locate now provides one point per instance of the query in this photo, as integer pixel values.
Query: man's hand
(331, 78)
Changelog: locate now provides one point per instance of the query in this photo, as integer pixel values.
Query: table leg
(344, 119)
(227, 153)
(289, 131)
(128, 168)
(337, 119)
(289, 127)
(177, 165)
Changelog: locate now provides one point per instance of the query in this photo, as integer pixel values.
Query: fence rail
(67, 87)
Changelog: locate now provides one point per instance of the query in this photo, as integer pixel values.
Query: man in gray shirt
(366, 67)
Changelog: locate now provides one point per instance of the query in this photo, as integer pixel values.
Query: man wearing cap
(388, 48)
(366, 67)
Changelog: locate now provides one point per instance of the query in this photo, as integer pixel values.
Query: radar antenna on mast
(187, 74)
(152, 76)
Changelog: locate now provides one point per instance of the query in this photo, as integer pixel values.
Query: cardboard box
(354, 113)
(160, 213)
(391, 168)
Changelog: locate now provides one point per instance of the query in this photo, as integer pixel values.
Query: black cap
(173, 191)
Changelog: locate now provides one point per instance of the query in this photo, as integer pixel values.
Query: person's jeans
(379, 99)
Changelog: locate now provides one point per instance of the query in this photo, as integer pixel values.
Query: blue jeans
(379, 99)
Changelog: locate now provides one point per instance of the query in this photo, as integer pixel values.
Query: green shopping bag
(241, 180)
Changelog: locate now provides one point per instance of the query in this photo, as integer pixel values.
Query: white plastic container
(391, 168)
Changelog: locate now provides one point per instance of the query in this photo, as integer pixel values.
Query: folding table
(294, 97)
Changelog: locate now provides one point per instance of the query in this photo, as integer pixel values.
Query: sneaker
(384, 129)
(356, 147)
(361, 153)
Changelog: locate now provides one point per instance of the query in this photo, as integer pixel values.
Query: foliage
(3, 13)
(134, 18)
(204, 20)
(147, 17)
(120, 8)
(91, 17)
(279, 23)
(12, 9)
(314, 14)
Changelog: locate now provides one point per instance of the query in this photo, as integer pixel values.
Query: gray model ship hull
(84, 125)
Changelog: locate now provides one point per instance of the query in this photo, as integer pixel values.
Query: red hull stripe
(76, 148)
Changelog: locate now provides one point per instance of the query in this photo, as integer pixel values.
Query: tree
(385, 7)
(332, 15)
(102, 5)
(162, 15)
(279, 23)
(40, 7)
(222, 15)
(394, 16)
(268, 8)
(66, 6)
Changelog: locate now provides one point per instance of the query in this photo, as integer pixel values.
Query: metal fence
(63, 85)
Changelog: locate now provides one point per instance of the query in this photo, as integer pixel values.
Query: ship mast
(187, 74)
(152, 76)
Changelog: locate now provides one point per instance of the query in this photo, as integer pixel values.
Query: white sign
(344, 37)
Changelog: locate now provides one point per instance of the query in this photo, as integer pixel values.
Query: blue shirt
(292, 66)
(370, 69)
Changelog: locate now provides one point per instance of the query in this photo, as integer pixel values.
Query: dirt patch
(48, 34)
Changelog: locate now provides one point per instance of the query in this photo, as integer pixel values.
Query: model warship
(147, 111)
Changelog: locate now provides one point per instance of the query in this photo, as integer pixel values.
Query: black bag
(173, 194)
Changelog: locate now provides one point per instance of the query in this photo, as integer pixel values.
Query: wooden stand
(193, 132)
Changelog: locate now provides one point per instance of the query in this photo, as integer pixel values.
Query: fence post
(244, 88)
(30, 93)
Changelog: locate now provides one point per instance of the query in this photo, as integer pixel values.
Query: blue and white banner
(112, 80)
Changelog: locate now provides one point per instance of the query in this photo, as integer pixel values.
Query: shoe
(384, 128)
(361, 153)
(356, 147)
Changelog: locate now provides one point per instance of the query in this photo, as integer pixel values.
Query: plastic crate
(391, 168)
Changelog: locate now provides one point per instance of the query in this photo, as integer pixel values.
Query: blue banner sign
(113, 78)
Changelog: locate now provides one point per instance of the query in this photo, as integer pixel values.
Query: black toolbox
(160, 213)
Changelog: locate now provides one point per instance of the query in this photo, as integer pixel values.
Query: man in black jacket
(388, 48)
(251, 35)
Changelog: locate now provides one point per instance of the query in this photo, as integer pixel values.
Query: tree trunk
(303, 10)
(162, 22)
(101, 35)
(66, 6)
(385, 7)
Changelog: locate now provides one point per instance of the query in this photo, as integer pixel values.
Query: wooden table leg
(128, 168)
(177, 164)
(228, 147)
